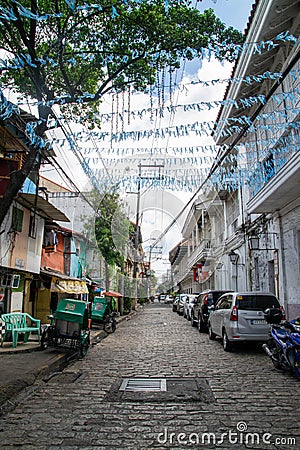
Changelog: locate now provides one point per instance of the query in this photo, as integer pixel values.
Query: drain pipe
(283, 265)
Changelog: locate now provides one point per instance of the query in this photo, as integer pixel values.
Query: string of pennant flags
(291, 96)
(201, 152)
(194, 161)
(249, 80)
(189, 178)
(24, 59)
(197, 128)
(198, 106)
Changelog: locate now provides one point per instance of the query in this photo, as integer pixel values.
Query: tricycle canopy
(72, 311)
(98, 308)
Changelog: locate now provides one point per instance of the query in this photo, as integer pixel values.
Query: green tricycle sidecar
(69, 327)
(104, 311)
(99, 307)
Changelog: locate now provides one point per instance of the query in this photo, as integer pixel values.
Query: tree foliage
(112, 228)
(72, 52)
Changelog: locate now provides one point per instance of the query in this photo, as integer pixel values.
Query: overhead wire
(221, 157)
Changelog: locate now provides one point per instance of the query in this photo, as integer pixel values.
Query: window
(224, 303)
(256, 302)
(269, 167)
(233, 207)
(17, 219)
(32, 226)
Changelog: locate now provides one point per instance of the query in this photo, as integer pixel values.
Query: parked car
(175, 303)
(180, 304)
(239, 317)
(188, 306)
(168, 299)
(202, 307)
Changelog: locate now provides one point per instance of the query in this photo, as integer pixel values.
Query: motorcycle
(110, 323)
(283, 347)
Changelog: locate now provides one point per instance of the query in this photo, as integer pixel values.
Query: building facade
(244, 229)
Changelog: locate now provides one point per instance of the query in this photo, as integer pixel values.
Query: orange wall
(54, 260)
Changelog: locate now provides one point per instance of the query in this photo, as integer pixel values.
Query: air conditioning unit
(10, 280)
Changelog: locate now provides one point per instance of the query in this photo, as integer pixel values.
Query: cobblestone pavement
(243, 401)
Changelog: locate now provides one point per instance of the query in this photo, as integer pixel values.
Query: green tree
(111, 229)
(73, 52)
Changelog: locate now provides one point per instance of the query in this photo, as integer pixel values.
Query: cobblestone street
(244, 402)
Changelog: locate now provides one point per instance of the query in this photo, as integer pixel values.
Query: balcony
(282, 188)
(200, 253)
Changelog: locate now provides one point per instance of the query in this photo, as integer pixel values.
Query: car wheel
(192, 320)
(201, 326)
(211, 334)
(227, 345)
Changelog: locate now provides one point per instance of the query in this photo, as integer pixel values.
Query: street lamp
(253, 242)
(233, 257)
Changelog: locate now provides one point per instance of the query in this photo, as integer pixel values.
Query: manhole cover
(143, 384)
(171, 390)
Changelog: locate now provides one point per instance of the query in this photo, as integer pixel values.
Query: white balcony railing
(201, 252)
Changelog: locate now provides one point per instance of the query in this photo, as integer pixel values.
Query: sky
(232, 12)
(159, 207)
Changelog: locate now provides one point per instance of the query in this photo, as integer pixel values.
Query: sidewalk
(20, 367)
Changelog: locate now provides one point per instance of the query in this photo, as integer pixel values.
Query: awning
(111, 294)
(43, 207)
(69, 286)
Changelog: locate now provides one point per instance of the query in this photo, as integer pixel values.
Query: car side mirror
(212, 307)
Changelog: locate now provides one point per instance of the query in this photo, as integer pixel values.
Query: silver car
(239, 317)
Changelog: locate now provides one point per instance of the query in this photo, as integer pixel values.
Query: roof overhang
(42, 206)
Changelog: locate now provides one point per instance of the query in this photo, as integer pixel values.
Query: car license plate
(258, 322)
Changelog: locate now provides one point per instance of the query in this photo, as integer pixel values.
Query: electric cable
(222, 157)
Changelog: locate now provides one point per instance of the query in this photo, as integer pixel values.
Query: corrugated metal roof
(43, 207)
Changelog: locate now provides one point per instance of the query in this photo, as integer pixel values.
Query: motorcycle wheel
(276, 354)
(110, 326)
(297, 365)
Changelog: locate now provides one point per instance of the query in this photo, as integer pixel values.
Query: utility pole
(136, 238)
(137, 218)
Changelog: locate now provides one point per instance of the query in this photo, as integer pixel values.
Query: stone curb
(10, 390)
